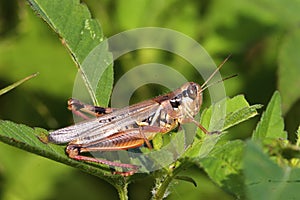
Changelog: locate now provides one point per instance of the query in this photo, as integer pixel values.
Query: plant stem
(163, 185)
(122, 190)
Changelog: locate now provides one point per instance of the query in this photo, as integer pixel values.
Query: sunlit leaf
(83, 36)
(237, 111)
(271, 124)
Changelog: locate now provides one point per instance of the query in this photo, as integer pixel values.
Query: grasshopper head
(187, 102)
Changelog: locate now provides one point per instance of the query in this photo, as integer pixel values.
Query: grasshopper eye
(192, 91)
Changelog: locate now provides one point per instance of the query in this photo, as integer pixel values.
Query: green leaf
(289, 70)
(72, 21)
(237, 111)
(97, 73)
(223, 166)
(265, 180)
(26, 138)
(271, 124)
(83, 37)
(16, 84)
(223, 162)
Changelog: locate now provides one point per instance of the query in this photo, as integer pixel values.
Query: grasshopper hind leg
(73, 152)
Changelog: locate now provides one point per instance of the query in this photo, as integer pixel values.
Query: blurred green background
(263, 37)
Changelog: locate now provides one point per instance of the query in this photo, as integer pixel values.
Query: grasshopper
(129, 127)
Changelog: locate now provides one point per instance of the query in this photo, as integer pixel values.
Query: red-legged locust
(129, 127)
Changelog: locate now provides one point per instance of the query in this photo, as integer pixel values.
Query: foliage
(252, 168)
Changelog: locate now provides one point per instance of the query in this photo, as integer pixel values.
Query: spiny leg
(73, 152)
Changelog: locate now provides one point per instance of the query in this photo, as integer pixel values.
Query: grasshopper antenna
(212, 75)
(209, 85)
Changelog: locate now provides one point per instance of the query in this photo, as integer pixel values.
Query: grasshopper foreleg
(200, 126)
(185, 119)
